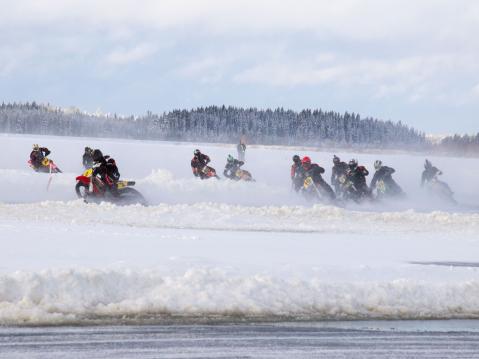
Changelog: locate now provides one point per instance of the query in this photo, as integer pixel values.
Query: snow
(228, 250)
(226, 217)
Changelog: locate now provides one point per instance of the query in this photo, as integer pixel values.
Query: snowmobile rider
(37, 155)
(88, 158)
(357, 175)
(297, 173)
(199, 161)
(232, 166)
(430, 172)
(340, 169)
(314, 171)
(384, 173)
(106, 168)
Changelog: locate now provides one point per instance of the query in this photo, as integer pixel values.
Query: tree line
(216, 124)
(465, 145)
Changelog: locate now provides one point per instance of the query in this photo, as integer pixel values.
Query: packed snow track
(218, 250)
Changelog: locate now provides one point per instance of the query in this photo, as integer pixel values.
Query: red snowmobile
(95, 190)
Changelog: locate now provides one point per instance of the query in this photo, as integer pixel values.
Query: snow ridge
(60, 297)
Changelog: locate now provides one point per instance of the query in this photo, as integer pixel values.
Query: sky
(410, 61)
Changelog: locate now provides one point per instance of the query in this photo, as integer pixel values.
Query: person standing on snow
(241, 147)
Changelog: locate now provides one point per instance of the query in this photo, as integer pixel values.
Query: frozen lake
(228, 251)
(396, 340)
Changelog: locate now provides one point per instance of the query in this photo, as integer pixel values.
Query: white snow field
(225, 251)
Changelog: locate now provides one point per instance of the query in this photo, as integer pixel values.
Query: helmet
(353, 163)
(306, 160)
(296, 159)
(378, 164)
(36, 147)
(88, 149)
(230, 158)
(336, 160)
(97, 155)
(197, 152)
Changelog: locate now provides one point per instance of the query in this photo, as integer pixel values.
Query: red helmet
(306, 160)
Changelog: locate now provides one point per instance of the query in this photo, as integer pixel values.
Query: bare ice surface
(397, 340)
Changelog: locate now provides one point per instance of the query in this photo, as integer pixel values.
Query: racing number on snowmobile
(381, 186)
(307, 182)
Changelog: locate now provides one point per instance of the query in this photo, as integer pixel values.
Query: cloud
(207, 70)
(124, 56)
(475, 91)
(13, 58)
(290, 74)
(198, 67)
(352, 19)
(413, 77)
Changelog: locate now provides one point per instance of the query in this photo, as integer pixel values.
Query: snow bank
(202, 294)
(220, 216)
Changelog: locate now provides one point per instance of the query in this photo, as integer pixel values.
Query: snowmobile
(208, 172)
(441, 190)
(47, 166)
(344, 187)
(388, 190)
(95, 190)
(243, 175)
(233, 170)
(348, 192)
(312, 191)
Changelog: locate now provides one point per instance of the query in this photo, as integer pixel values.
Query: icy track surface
(225, 251)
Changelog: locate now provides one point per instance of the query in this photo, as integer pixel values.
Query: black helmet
(353, 164)
(88, 149)
(97, 155)
(197, 152)
(427, 165)
(296, 159)
(336, 160)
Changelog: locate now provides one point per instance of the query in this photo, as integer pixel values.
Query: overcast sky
(410, 61)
